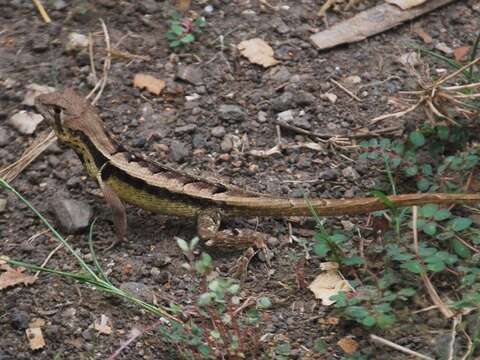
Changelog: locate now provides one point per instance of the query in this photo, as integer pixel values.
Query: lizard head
(73, 119)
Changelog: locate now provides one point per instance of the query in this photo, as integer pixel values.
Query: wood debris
(149, 82)
(257, 51)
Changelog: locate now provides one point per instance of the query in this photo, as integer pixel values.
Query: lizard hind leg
(208, 228)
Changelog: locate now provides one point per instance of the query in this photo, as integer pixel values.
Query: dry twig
(403, 349)
(42, 11)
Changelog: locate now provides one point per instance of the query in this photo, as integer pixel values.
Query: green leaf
(417, 138)
(357, 312)
(411, 170)
(445, 235)
(321, 249)
(174, 44)
(413, 266)
(188, 39)
(428, 210)
(182, 244)
(369, 321)
(264, 302)
(442, 214)
(461, 223)
(427, 170)
(443, 132)
(430, 228)
(407, 292)
(460, 249)
(177, 29)
(353, 260)
(338, 238)
(385, 321)
(436, 266)
(424, 184)
(320, 346)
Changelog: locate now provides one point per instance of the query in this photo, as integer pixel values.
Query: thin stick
(92, 57)
(403, 349)
(352, 95)
(106, 64)
(42, 11)
(455, 73)
(47, 259)
(456, 321)
(426, 281)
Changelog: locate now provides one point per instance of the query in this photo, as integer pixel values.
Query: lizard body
(162, 189)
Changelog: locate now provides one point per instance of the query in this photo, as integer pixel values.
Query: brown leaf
(183, 5)
(149, 82)
(461, 53)
(426, 38)
(258, 52)
(329, 283)
(348, 345)
(103, 325)
(12, 277)
(35, 338)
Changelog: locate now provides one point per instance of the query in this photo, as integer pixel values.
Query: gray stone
(262, 116)
(19, 319)
(198, 141)
(59, 5)
(283, 102)
(350, 173)
(286, 116)
(190, 73)
(279, 74)
(329, 174)
(73, 216)
(139, 290)
(227, 144)
(302, 122)
(303, 98)
(185, 129)
(178, 151)
(26, 122)
(231, 113)
(218, 131)
(4, 136)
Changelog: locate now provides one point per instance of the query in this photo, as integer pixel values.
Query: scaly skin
(164, 190)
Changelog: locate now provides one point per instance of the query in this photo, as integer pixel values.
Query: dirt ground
(186, 128)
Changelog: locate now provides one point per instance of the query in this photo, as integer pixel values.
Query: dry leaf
(426, 38)
(12, 277)
(461, 53)
(36, 323)
(35, 338)
(183, 5)
(405, 4)
(327, 284)
(33, 90)
(258, 52)
(348, 345)
(103, 325)
(149, 82)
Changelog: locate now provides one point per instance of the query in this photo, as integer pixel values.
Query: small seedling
(183, 31)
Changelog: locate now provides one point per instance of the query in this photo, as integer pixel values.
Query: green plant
(216, 327)
(183, 31)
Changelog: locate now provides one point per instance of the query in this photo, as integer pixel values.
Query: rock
(4, 137)
(441, 345)
(283, 102)
(218, 131)
(303, 98)
(227, 144)
(19, 319)
(3, 204)
(33, 90)
(178, 151)
(198, 141)
(330, 97)
(186, 129)
(286, 116)
(302, 122)
(41, 43)
(262, 116)
(190, 73)
(350, 173)
(73, 216)
(279, 25)
(76, 41)
(25, 121)
(231, 113)
(139, 290)
(59, 5)
(329, 174)
(279, 74)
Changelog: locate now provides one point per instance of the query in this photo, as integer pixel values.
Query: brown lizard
(124, 177)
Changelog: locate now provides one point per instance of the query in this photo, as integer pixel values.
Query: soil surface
(188, 126)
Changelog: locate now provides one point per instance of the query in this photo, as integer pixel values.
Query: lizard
(124, 177)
